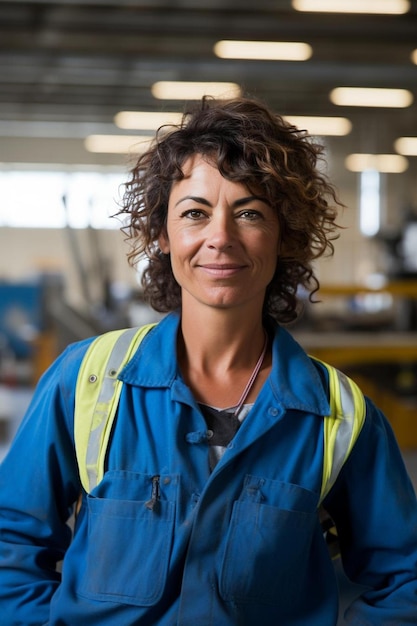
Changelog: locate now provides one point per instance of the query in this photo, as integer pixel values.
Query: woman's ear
(163, 242)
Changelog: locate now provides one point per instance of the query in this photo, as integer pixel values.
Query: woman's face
(223, 239)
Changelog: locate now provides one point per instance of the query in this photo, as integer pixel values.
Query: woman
(208, 509)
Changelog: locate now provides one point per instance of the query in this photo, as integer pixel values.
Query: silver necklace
(252, 378)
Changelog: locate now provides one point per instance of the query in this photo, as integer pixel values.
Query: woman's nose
(221, 233)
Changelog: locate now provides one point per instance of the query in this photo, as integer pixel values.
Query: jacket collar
(296, 381)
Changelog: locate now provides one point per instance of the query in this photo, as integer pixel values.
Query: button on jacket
(164, 541)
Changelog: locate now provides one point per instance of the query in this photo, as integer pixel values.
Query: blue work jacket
(241, 545)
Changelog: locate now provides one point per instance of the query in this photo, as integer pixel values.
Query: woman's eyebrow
(194, 199)
(236, 203)
(248, 199)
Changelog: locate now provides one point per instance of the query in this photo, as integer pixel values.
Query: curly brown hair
(250, 144)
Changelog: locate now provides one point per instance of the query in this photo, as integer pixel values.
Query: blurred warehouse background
(78, 82)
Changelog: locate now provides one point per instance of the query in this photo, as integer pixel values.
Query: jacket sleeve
(374, 506)
(38, 487)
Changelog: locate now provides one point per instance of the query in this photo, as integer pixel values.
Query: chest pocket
(130, 532)
(271, 531)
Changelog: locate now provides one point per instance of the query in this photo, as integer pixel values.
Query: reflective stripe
(342, 426)
(97, 396)
(108, 398)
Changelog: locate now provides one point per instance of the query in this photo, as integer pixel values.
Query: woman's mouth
(222, 270)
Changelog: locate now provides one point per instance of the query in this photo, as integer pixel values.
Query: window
(56, 198)
(370, 202)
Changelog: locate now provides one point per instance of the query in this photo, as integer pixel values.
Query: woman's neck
(217, 353)
(220, 335)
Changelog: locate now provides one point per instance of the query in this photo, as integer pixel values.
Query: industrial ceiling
(67, 68)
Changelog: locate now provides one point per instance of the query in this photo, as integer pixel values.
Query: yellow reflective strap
(342, 426)
(97, 396)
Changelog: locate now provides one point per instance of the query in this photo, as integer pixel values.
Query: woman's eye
(250, 215)
(193, 214)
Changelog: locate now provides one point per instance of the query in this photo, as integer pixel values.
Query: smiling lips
(222, 270)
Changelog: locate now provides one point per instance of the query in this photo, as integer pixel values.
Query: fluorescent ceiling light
(406, 145)
(145, 120)
(390, 7)
(388, 163)
(371, 97)
(49, 130)
(414, 56)
(263, 50)
(186, 90)
(117, 144)
(321, 126)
